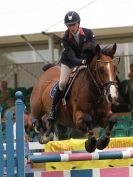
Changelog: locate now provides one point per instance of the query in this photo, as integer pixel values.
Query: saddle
(70, 82)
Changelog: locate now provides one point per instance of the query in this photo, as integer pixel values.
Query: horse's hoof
(102, 143)
(90, 144)
(44, 139)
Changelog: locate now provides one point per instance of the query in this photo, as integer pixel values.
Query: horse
(93, 91)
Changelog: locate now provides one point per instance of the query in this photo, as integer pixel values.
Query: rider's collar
(81, 32)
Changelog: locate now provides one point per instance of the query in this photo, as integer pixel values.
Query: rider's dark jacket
(72, 53)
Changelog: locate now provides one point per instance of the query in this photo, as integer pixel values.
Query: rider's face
(73, 28)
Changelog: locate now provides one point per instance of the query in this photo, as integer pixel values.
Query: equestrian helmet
(71, 17)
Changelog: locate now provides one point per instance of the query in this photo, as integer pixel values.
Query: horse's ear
(112, 50)
(98, 50)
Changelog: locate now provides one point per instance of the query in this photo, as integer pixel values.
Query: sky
(19, 17)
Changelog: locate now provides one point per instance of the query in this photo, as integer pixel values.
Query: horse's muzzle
(111, 94)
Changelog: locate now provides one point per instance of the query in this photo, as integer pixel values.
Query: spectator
(4, 92)
(130, 75)
(125, 94)
(129, 87)
(4, 96)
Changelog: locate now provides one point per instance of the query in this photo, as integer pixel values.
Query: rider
(74, 39)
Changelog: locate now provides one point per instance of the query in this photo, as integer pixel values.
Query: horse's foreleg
(111, 122)
(104, 141)
(90, 144)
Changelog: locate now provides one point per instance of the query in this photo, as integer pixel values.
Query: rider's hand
(83, 62)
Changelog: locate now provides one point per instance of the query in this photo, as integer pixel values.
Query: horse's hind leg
(46, 133)
(90, 144)
(104, 140)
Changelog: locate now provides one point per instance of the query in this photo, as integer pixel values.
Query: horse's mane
(47, 66)
(89, 51)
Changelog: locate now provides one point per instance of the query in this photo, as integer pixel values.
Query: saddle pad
(53, 89)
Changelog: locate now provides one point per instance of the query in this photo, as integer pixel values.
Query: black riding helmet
(71, 18)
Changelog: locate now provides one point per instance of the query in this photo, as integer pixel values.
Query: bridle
(103, 87)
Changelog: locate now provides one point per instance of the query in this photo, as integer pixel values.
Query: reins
(104, 86)
(94, 80)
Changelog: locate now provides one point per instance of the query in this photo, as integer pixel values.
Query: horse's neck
(93, 87)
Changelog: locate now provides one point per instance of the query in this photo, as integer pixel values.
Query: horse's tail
(47, 66)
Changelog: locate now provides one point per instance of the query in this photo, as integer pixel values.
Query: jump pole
(20, 134)
(9, 145)
(1, 146)
(80, 156)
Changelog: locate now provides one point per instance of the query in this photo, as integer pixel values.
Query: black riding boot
(53, 114)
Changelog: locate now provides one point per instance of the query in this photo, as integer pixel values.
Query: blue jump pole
(9, 145)
(20, 134)
(1, 147)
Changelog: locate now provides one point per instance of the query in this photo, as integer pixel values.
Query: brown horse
(89, 101)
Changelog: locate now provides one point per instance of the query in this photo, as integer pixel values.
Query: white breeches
(64, 76)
